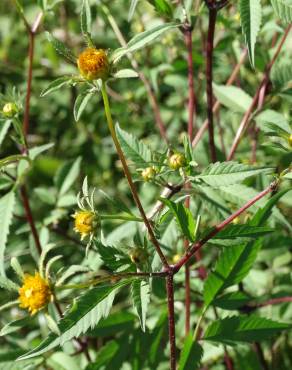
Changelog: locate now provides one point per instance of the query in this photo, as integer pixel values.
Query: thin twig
(217, 105)
(149, 88)
(197, 246)
(209, 80)
(246, 119)
(171, 320)
(129, 177)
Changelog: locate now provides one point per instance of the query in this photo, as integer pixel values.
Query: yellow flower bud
(138, 255)
(86, 223)
(177, 161)
(35, 293)
(94, 64)
(148, 173)
(9, 110)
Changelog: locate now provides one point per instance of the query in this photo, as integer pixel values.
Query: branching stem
(129, 177)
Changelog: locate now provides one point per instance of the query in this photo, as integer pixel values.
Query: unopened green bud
(148, 173)
(177, 161)
(9, 110)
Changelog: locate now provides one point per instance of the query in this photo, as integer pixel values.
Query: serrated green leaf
(15, 325)
(232, 266)
(140, 290)
(80, 104)
(229, 173)
(61, 48)
(243, 329)
(191, 355)
(113, 324)
(232, 97)
(142, 39)
(232, 301)
(283, 9)
(112, 257)
(251, 17)
(234, 231)
(6, 214)
(270, 116)
(134, 149)
(56, 85)
(265, 212)
(86, 312)
(183, 217)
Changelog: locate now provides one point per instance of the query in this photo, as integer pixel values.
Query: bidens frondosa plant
(174, 250)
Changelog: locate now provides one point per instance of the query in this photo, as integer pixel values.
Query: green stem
(121, 217)
(197, 328)
(128, 175)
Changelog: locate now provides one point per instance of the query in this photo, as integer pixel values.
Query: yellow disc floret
(177, 161)
(85, 223)
(94, 64)
(148, 173)
(35, 293)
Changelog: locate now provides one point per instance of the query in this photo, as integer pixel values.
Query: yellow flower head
(290, 140)
(35, 293)
(176, 161)
(94, 64)
(85, 223)
(148, 174)
(9, 110)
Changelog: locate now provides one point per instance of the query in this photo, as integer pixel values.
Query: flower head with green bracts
(35, 293)
(87, 220)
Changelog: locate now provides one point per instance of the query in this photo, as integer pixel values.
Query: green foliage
(183, 217)
(6, 213)
(141, 296)
(191, 354)
(85, 313)
(232, 97)
(251, 16)
(135, 150)
(232, 330)
(232, 266)
(283, 9)
(141, 40)
(228, 173)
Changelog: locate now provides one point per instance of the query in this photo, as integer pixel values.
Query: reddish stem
(192, 97)
(171, 320)
(29, 217)
(197, 246)
(245, 121)
(217, 105)
(209, 80)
